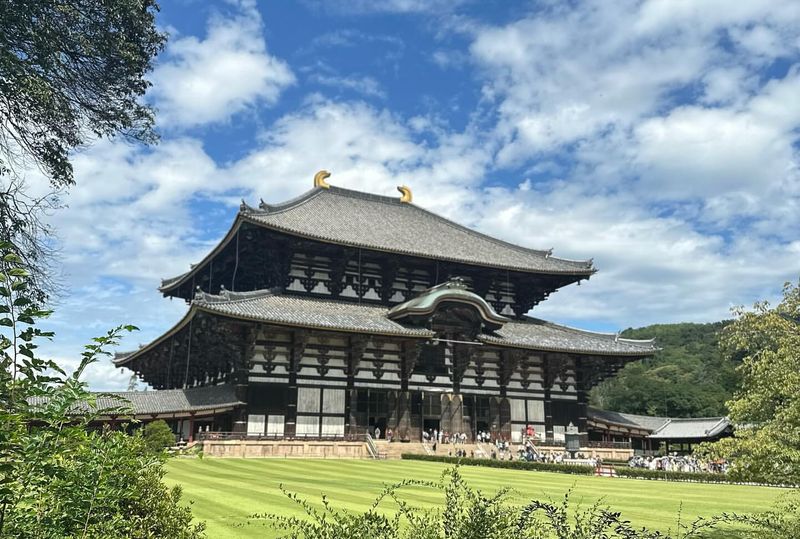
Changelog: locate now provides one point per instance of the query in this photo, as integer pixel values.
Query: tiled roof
(693, 428)
(664, 428)
(542, 335)
(453, 290)
(336, 315)
(359, 219)
(168, 400)
(642, 422)
(264, 306)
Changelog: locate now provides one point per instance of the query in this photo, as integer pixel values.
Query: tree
(688, 377)
(766, 410)
(70, 71)
(158, 436)
(57, 478)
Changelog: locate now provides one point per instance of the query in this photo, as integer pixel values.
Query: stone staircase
(395, 449)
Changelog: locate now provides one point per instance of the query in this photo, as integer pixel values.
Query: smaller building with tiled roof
(656, 433)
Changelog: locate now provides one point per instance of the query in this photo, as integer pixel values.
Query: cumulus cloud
(632, 133)
(209, 80)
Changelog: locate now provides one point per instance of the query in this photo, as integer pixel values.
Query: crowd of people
(678, 463)
(438, 437)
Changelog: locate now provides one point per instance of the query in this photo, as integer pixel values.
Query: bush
(467, 513)
(57, 479)
(510, 464)
(644, 473)
(158, 436)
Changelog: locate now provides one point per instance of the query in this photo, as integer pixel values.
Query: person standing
(377, 433)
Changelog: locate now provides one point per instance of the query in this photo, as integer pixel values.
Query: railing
(529, 444)
(609, 445)
(552, 442)
(203, 436)
(371, 449)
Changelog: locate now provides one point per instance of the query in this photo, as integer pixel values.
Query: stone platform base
(284, 449)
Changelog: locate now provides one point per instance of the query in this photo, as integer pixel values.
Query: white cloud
(388, 6)
(209, 80)
(363, 85)
(646, 145)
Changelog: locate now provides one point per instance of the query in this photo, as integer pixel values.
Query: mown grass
(224, 492)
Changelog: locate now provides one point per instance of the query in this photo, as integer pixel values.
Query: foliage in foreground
(576, 469)
(468, 513)
(766, 444)
(58, 479)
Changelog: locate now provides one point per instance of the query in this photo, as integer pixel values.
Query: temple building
(341, 311)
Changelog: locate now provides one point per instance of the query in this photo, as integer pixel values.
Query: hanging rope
(188, 355)
(360, 291)
(169, 365)
(236, 264)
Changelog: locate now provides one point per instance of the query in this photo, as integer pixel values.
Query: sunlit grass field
(225, 492)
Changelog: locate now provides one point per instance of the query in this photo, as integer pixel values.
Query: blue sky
(659, 137)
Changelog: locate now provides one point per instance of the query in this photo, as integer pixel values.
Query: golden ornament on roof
(406, 193)
(319, 179)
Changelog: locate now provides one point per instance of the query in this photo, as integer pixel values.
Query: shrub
(57, 479)
(704, 477)
(158, 436)
(467, 513)
(510, 464)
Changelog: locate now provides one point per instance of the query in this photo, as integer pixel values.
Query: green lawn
(225, 491)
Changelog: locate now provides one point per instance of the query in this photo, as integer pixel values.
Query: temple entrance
(430, 410)
(431, 424)
(380, 423)
(372, 410)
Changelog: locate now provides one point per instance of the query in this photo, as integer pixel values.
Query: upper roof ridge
(394, 201)
(226, 296)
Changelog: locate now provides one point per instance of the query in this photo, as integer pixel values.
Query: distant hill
(688, 378)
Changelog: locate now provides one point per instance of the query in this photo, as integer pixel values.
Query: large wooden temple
(341, 311)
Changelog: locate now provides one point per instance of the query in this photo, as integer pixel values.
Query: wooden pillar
(403, 411)
(582, 395)
(456, 413)
(408, 360)
(355, 352)
(505, 419)
(494, 414)
(191, 428)
(547, 382)
(299, 340)
(444, 417)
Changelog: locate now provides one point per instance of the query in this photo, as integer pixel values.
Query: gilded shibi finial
(406, 191)
(319, 179)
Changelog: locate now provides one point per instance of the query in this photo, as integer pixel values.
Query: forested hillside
(687, 378)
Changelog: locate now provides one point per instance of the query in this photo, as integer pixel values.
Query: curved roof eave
(199, 307)
(190, 313)
(248, 214)
(410, 308)
(494, 341)
(168, 284)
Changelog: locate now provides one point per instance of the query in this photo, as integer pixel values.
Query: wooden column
(582, 392)
(408, 360)
(358, 344)
(548, 377)
(299, 340)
